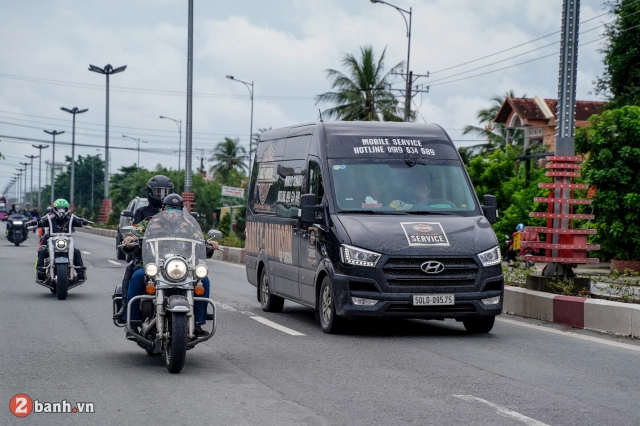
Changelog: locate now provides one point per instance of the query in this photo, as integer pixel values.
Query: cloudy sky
(284, 46)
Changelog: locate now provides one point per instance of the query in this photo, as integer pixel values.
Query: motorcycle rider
(60, 221)
(136, 285)
(158, 187)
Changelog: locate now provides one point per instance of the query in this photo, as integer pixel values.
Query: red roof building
(538, 117)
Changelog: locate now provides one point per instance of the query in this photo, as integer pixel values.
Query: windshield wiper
(430, 212)
(373, 212)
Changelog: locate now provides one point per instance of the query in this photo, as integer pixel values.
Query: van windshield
(393, 186)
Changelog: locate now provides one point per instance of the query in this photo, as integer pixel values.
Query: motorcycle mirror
(127, 229)
(214, 234)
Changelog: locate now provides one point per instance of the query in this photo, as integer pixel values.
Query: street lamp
(107, 71)
(40, 147)
(31, 186)
(250, 88)
(138, 141)
(73, 111)
(24, 196)
(407, 99)
(179, 124)
(53, 160)
(19, 176)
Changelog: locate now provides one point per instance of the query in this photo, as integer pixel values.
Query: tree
(228, 155)
(620, 81)
(363, 94)
(496, 134)
(612, 142)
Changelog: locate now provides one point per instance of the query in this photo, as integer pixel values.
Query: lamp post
(106, 203)
(187, 195)
(73, 111)
(24, 193)
(138, 141)
(407, 99)
(19, 176)
(179, 124)
(31, 186)
(40, 148)
(250, 87)
(53, 160)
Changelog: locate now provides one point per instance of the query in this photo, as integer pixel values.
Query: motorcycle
(16, 232)
(60, 271)
(174, 265)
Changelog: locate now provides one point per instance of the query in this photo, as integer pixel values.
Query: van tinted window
(277, 187)
(297, 147)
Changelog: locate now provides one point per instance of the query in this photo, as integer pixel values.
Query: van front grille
(435, 310)
(406, 272)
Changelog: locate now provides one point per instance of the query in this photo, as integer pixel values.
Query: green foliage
(363, 93)
(621, 78)
(225, 225)
(613, 143)
(231, 241)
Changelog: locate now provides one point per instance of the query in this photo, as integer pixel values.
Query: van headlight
(61, 244)
(357, 256)
(176, 269)
(490, 257)
(201, 271)
(151, 270)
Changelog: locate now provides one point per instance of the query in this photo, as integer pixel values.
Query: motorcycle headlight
(357, 256)
(17, 222)
(490, 257)
(176, 269)
(61, 244)
(201, 271)
(151, 270)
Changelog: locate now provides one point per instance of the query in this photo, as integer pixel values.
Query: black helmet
(158, 188)
(173, 200)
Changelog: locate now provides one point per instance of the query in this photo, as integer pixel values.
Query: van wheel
(269, 302)
(479, 325)
(330, 322)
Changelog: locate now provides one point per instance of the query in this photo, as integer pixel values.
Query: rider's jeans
(136, 288)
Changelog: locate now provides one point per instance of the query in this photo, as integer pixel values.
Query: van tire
(268, 301)
(330, 322)
(479, 325)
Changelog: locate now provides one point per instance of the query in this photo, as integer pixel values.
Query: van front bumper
(400, 304)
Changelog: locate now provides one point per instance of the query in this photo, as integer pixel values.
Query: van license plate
(433, 299)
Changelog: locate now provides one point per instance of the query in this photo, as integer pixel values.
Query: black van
(367, 219)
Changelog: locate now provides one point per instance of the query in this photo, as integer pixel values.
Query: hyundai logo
(432, 267)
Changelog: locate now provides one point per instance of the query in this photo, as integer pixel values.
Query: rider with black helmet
(158, 188)
(136, 284)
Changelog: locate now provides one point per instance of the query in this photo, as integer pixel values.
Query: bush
(231, 241)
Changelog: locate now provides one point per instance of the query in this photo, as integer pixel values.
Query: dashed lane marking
(571, 334)
(503, 411)
(85, 252)
(277, 326)
(114, 262)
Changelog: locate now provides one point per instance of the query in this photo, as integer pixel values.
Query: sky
(283, 46)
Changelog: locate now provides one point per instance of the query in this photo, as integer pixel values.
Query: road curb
(622, 319)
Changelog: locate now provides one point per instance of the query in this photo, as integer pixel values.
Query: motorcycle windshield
(173, 232)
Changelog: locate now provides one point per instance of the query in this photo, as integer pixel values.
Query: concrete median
(622, 319)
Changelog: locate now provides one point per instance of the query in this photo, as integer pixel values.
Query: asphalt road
(403, 372)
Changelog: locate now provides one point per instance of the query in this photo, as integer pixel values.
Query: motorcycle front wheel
(62, 281)
(176, 351)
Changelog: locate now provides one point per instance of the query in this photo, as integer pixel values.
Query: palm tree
(496, 134)
(364, 93)
(228, 155)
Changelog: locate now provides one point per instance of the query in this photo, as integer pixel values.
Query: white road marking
(503, 411)
(571, 334)
(114, 262)
(85, 252)
(277, 326)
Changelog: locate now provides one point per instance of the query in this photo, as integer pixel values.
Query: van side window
(315, 181)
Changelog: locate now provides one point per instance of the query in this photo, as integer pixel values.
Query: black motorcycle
(17, 229)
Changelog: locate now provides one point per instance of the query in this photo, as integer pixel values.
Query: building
(537, 116)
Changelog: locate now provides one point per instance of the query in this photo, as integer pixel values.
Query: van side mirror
(308, 208)
(490, 208)
(127, 213)
(214, 234)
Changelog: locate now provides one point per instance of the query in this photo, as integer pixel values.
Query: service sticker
(425, 234)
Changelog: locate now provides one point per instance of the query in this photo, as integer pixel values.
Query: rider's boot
(125, 288)
(199, 332)
(81, 273)
(41, 275)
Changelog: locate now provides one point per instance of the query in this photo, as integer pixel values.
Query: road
(401, 372)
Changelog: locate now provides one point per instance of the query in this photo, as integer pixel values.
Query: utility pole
(40, 148)
(53, 161)
(73, 111)
(187, 196)
(31, 189)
